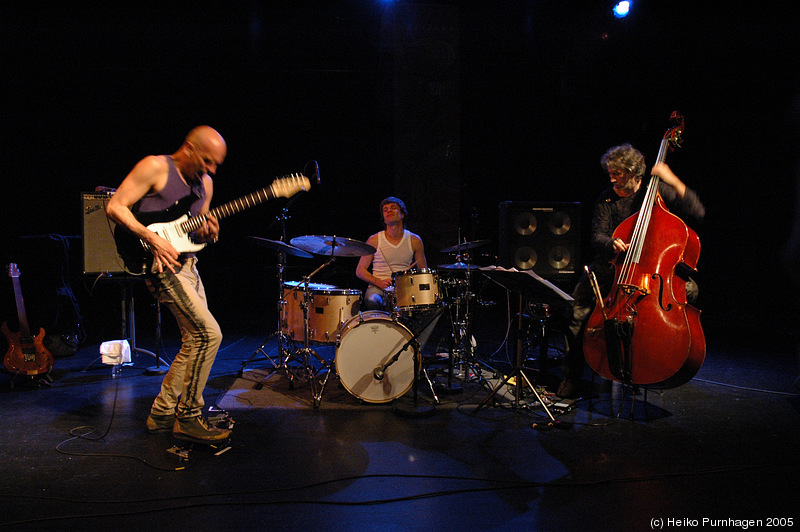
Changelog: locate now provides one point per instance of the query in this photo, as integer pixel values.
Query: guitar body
(167, 224)
(26, 355)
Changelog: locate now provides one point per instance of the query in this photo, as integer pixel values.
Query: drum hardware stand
(305, 353)
(461, 334)
(281, 267)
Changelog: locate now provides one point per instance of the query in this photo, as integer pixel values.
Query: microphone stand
(415, 410)
(281, 267)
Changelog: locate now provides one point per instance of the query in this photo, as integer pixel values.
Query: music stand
(526, 284)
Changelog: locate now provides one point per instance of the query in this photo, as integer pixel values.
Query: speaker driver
(559, 223)
(525, 258)
(559, 257)
(525, 223)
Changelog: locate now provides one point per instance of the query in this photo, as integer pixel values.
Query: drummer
(397, 250)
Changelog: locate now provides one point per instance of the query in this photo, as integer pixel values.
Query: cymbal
(333, 245)
(283, 247)
(466, 245)
(458, 266)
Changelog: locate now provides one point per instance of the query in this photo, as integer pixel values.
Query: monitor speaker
(542, 237)
(99, 250)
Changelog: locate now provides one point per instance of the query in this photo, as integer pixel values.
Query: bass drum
(369, 341)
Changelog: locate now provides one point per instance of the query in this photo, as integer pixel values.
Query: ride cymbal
(458, 266)
(333, 246)
(465, 246)
(282, 247)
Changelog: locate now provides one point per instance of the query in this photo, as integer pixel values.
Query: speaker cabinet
(99, 250)
(543, 237)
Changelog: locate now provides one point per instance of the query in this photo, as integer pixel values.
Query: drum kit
(377, 353)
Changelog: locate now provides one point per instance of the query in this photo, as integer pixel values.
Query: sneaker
(197, 429)
(160, 422)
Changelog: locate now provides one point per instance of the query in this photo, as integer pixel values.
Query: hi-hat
(333, 246)
(465, 246)
(458, 266)
(283, 247)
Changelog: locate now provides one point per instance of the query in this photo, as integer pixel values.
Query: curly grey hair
(626, 158)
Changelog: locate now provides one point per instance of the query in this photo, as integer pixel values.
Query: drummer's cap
(398, 201)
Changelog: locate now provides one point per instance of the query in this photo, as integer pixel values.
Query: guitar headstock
(674, 135)
(286, 187)
(13, 271)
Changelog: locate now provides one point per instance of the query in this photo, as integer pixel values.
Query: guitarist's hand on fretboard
(208, 232)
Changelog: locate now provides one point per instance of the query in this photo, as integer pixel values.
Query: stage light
(622, 9)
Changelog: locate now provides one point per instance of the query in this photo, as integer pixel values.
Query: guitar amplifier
(99, 249)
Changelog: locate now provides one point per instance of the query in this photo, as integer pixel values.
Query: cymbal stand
(461, 331)
(282, 339)
(305, 354)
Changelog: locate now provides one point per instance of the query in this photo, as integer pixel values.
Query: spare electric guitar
(177, 226)
(26, 354)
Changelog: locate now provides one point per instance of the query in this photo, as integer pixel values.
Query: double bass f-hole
(668, 306)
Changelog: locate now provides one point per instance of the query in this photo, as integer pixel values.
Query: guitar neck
(232, 207)
(22, 316)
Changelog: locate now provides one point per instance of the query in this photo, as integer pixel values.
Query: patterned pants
(183, 293)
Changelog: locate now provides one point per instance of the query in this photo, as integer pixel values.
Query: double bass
(644, 331)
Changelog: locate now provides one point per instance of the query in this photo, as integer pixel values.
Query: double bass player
(625, 167)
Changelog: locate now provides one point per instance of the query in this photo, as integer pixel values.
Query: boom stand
(280, 247)
(415, 410)
(530, 284)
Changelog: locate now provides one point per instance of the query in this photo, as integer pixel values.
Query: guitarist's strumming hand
(164, 254)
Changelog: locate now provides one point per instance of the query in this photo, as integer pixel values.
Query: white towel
(115, 352)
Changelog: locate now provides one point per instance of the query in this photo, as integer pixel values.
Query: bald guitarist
(156, 183)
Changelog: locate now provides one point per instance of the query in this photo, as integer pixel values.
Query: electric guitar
(176, 226)
(26, 354)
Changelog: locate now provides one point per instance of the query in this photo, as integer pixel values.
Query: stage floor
(722, 447)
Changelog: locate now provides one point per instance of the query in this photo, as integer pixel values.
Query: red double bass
(644, 331)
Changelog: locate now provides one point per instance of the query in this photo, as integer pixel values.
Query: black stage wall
(457, 107)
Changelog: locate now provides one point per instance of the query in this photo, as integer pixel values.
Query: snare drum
(328, 309)
(369, 341)
(416, 289)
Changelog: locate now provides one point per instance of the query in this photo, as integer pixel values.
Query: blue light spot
(622, 9)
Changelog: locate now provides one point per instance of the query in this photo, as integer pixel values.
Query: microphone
(316, 171)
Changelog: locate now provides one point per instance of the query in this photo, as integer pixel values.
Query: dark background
(518, 101)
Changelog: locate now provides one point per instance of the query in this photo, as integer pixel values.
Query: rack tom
(416, 289)
(329, 308)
